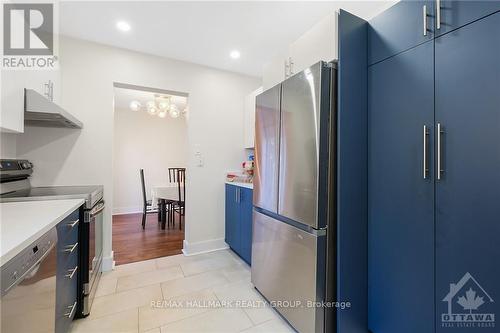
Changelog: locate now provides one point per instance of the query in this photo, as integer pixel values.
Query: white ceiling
(124, 96)
(204, 32)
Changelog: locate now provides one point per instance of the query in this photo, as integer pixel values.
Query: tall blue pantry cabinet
(434, 168)
(401, 200)
(467, 108)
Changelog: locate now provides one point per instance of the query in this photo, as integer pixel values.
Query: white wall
(216, 98)
(148, 142)
(8, 145)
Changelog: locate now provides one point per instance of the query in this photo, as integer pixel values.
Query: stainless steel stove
(91, 194)
(16, 187)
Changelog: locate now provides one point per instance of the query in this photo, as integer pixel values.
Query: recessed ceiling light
(123, 26)
(235, 54)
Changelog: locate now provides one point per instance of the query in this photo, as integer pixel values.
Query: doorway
(149, 141)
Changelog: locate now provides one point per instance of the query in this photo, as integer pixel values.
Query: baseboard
(108, 263)
(127, 210)
(190, 249)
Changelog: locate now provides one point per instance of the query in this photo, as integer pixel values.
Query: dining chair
(147, 204)
(178, 175)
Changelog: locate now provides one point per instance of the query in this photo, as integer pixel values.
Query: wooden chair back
(178, 175)
(143, 186)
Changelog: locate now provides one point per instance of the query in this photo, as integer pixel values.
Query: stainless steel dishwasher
(28, 281)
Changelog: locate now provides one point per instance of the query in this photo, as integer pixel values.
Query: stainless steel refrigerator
(293, 245)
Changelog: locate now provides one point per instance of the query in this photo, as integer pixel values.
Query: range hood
(39, 111)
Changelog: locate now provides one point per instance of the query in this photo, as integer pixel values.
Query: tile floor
(203, 293)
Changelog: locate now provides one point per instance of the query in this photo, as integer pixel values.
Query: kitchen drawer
(67, 273)
(65, 302)
(67, 229)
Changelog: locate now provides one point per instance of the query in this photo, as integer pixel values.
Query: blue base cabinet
(239, 207)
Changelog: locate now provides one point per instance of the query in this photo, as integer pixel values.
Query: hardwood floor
(131, 243)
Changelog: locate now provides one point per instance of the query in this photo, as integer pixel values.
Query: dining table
(164, 193)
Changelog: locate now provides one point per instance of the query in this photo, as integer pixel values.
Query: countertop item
(247, 185)
(22, 223)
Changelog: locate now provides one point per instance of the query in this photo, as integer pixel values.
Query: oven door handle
(97, 209)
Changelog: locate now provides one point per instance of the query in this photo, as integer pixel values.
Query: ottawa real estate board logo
(469, 305)
(28, 36)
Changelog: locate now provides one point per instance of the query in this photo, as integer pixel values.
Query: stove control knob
(26, 165)
(13, 276)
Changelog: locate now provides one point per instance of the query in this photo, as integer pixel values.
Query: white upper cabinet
(12, 102)
(318, 43)
(249, 118)
(275, 71)
(45, 82)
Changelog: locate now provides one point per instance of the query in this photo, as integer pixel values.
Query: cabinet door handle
(71, 311)
(73, 224)
(425, 159)
(438, 14)
(47, 90)
(71, 272)
(424, 13)
(51, 91)
(440, 132)
(71, 248)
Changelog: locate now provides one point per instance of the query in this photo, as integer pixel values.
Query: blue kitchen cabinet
(233, 233)
(400, 198)
(457, 13)
(238, 222)
(67, 271)
(400, 28)
(246, 206)
(467, 81)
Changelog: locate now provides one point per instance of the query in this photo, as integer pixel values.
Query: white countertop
(247, 185)
(22, 223)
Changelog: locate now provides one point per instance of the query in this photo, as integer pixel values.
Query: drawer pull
(71, 311)
(73, 224)
(71, 272)
(71, 248)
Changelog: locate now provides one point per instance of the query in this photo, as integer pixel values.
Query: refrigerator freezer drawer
(285, 267)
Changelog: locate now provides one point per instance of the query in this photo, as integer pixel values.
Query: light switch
(198, 155)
